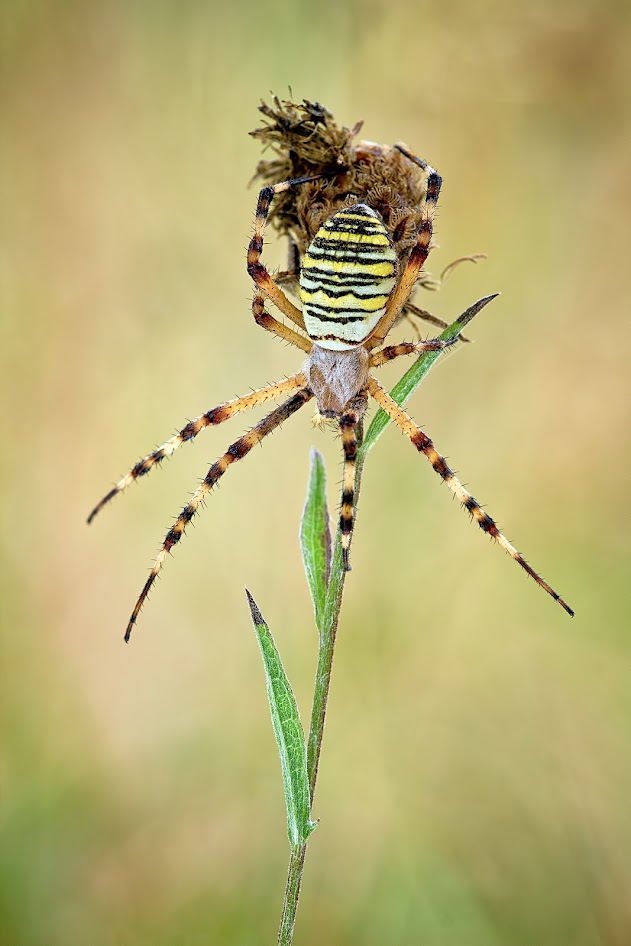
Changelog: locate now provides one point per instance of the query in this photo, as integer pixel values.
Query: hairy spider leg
(348, 428)
(270, 324)
(409, 310)
(236, 451)
(210, 419)
(424, 445)
(391, 352)
(257, 270)
(419, 254)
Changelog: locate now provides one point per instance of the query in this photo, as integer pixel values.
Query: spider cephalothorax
(352, 294)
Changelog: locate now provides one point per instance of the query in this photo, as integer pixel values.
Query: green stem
(292, 893)
(328, 633)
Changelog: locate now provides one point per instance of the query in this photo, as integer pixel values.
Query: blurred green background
(475, 781)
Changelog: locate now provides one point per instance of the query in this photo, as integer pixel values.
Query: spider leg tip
(90, 519)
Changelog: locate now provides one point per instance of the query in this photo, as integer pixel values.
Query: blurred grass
(476, 768)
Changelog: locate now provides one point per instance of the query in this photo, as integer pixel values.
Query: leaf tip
(257, 617)
(473, 310)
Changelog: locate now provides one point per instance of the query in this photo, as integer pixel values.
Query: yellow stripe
(346, 215)
(340, 266)
(358, 304)
(376, 239)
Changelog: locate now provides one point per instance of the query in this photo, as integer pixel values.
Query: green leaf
(406, 386)
(289, 734)
(315, 536)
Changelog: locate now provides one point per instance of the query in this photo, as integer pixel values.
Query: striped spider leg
(236, 451)
(417, 257)
(424, 445)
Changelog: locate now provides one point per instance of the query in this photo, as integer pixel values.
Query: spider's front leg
(348, 427)
(419, 253)
(257, 269)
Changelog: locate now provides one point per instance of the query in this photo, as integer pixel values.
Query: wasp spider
(351, 294)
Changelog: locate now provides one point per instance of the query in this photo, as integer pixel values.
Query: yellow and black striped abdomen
(346, 277)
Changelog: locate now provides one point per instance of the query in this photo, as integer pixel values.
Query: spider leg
(270, 324)
(257, 270)
(293, 256)
(409, 309)
(417, 257)
(409, 348)
(348, 427)
(239, 449)
(424, 445)
(211, 418)
(288, 277)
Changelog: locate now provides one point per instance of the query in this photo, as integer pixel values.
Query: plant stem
(292, 893)
(328, 633)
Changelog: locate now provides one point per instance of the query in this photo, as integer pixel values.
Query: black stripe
(342, 221)
(319, 253)
(332, 337)
(355, 246)
(359, 209)
(339, 320)
(347, 311)
(354, 226)
(346, 292)
(337, 279)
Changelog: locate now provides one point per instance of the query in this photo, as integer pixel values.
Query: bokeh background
(476, 773)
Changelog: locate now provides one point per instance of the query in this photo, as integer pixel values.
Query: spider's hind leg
(424, 445)
(270, 324)
(236, 451)
(412, 312)
(348, 426)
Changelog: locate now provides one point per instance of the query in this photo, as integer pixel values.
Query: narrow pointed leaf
(289, 734)
(315, 536)
(406, 386)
